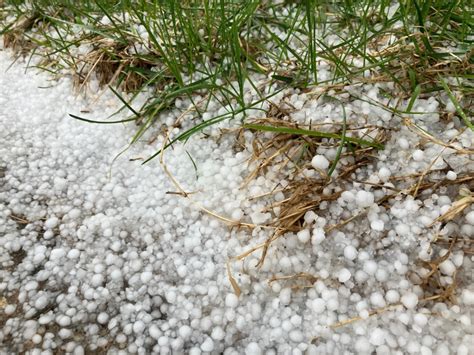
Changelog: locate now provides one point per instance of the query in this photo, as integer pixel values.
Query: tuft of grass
(183, 48)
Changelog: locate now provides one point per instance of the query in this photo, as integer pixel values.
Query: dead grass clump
(289, 155)
(430, 280)
(16, 37)
(112, 63)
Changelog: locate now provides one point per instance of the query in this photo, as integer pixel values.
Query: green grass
(215, 48)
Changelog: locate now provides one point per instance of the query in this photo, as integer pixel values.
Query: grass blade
(456, 104)
(305, 132)
(343, 142)
(101, 122)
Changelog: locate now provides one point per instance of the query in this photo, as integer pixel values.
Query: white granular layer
(102, 254)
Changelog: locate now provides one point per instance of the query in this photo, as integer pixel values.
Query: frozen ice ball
(51, 223)
(146, 277)
(41, 302)
(447, 267)
(253, 349)
(350, 253)
(370, 267)
(377, 225)
(102, 318)
(384, 174)
(320, 162)
(364, 198)
(377, 337)
(344, 275)
(318, 305)
(470, 218)
(231, 300)
(409, 300)
(451, 175)
(467, 297)
(208, 345)
(304, 236)
(318, 236)
(418, 155)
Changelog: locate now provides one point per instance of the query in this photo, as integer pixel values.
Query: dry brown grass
(16, 38)
(110, 62)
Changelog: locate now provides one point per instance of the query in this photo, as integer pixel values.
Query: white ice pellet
(146, 277)
(447, 267)
(253, 348)
(377, 336)
(362, 345)
(296, 336)
(377, 225)
(9, 309)
(97, 280)
(217, 333)
(370, 267)
(56, 254)
(350, 253)
(470, 218)
(465, 319)
(318, 305)
(50, 223)
(155, 331)
(320, 162)
(185, 332)
(403, 143)
(285, 296)
(451, 175)
(64, 321)
(318, 236)
(344, 275)
(32, 285)
(392, 296)
(237, 214)
(195, 351)
(418, 155)
(231, 300)
(116, 274)
(73, 254)
(182, 270)
(409, 300)
(384, 174)
(74, 213)
(377, 300)
(467, 297)
(348, 196)
(207, 345)
(259, 217)
(41, 302)
(364, 198)
(304, 236)
(420, 319)
(138, 327)
(310, 217)
(103, 318)
(463, 349)
(29, 331)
